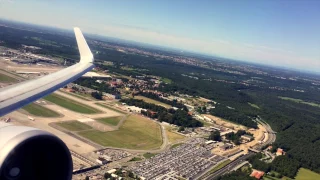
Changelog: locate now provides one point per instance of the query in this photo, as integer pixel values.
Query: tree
(97, 95)
(107, 175)
(215, 136)
(181, 128)
(131, 174)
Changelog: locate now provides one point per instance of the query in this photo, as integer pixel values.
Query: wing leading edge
(18, 95)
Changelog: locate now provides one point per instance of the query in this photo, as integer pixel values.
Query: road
(229, 167)
(233, 164)
(271, 135)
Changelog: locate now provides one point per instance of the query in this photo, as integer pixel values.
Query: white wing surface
(18, 95)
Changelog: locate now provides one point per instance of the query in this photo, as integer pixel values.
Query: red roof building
(257, 174)
(280, 152)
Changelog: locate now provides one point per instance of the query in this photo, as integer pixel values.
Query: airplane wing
(18, 95)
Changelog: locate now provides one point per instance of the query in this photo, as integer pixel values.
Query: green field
(113, 121)
(77, 95)
(166, 80)
(148, 155)
(152, 101)
(70, 104)
(306, 174)
(108, 107)
(299, 101)
(5, 78)
(74, 125)
(175, 145)
(38, 110)
(135, 133)
(219, 166)
(172, 135)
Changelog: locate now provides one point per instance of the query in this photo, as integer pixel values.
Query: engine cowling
(32, 154)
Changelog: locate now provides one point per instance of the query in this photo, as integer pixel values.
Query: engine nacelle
(31, 154)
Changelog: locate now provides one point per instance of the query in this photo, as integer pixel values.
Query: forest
(284, 165)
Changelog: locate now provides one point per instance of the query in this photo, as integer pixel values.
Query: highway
(271, 135)
(233, 164)
(229, 167)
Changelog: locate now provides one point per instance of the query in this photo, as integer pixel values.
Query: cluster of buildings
(188, 160)
(25, 57)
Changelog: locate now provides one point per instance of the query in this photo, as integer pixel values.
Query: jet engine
(31, 154)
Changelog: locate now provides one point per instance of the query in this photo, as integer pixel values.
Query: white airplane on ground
(29, 153)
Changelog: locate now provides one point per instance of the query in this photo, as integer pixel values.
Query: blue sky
(275, 32)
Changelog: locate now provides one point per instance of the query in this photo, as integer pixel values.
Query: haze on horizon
(282, 33)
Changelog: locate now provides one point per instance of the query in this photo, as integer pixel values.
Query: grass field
(38, 110)
(219, 166)
(306, 174)
(74, 125)
(5, 78)
(135, 133)
(108, 107)
(70, 104)
(148, 155)
(175, 145)
(152, 101)
(172, 136)
(166, 80)
(300, 101)
(113, 121)
(80, 96)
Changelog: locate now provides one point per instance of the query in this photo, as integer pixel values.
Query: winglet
(85, 53)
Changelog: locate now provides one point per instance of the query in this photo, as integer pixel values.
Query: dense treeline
(284, 165)
(215, 136)
(258, 164)
(154, 96)
(235, 137)
(178, 117)
(97, 95)
(233, 115)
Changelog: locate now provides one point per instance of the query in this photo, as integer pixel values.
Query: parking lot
(187, 161)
